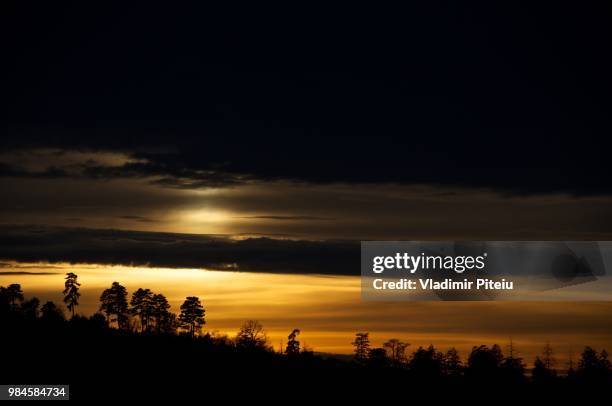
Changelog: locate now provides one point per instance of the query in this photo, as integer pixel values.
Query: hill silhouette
(141, 350)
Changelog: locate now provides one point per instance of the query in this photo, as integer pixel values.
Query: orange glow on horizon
(329, 311)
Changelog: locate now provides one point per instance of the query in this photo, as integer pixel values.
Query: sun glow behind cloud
(213, 220)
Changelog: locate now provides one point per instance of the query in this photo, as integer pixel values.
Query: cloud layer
(116, 247)
(520, 165)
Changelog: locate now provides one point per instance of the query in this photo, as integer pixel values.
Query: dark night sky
(430, 121)
(512, 96)
(433, 69)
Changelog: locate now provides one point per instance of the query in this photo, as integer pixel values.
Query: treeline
(483, 363)
(145, 312)
(148, 314)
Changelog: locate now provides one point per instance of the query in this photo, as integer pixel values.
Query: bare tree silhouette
(396, 350)
(251, 335)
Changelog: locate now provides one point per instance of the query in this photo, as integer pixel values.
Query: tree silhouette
(251, 335)
(604, 361)
(427, 363)
(29, 308)
(362, 346)
(142, 306)
(25, 329)
(113, 302)
(71, 292)
(293, 345)
(12, 294)
(592, 366)
(98, 321)
(192, 315)
(396, 351)
(496, 353)
(541, 374)
(512, 367)
(167, 324)
(452, 363)
(588, 359)
(484, 362)
(543, 371)
(571, 372)
(547, 356)
(377, 358)
(160, 313)
(50, 312)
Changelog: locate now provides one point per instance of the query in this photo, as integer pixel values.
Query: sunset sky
(196, 152)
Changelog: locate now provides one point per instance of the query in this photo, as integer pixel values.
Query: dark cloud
(281, 218)
(140, 219)
(29, 273)
(6, 265)
(115, 247)
(514, 99)
(17, 269)
(521, 164)
(50, 172)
